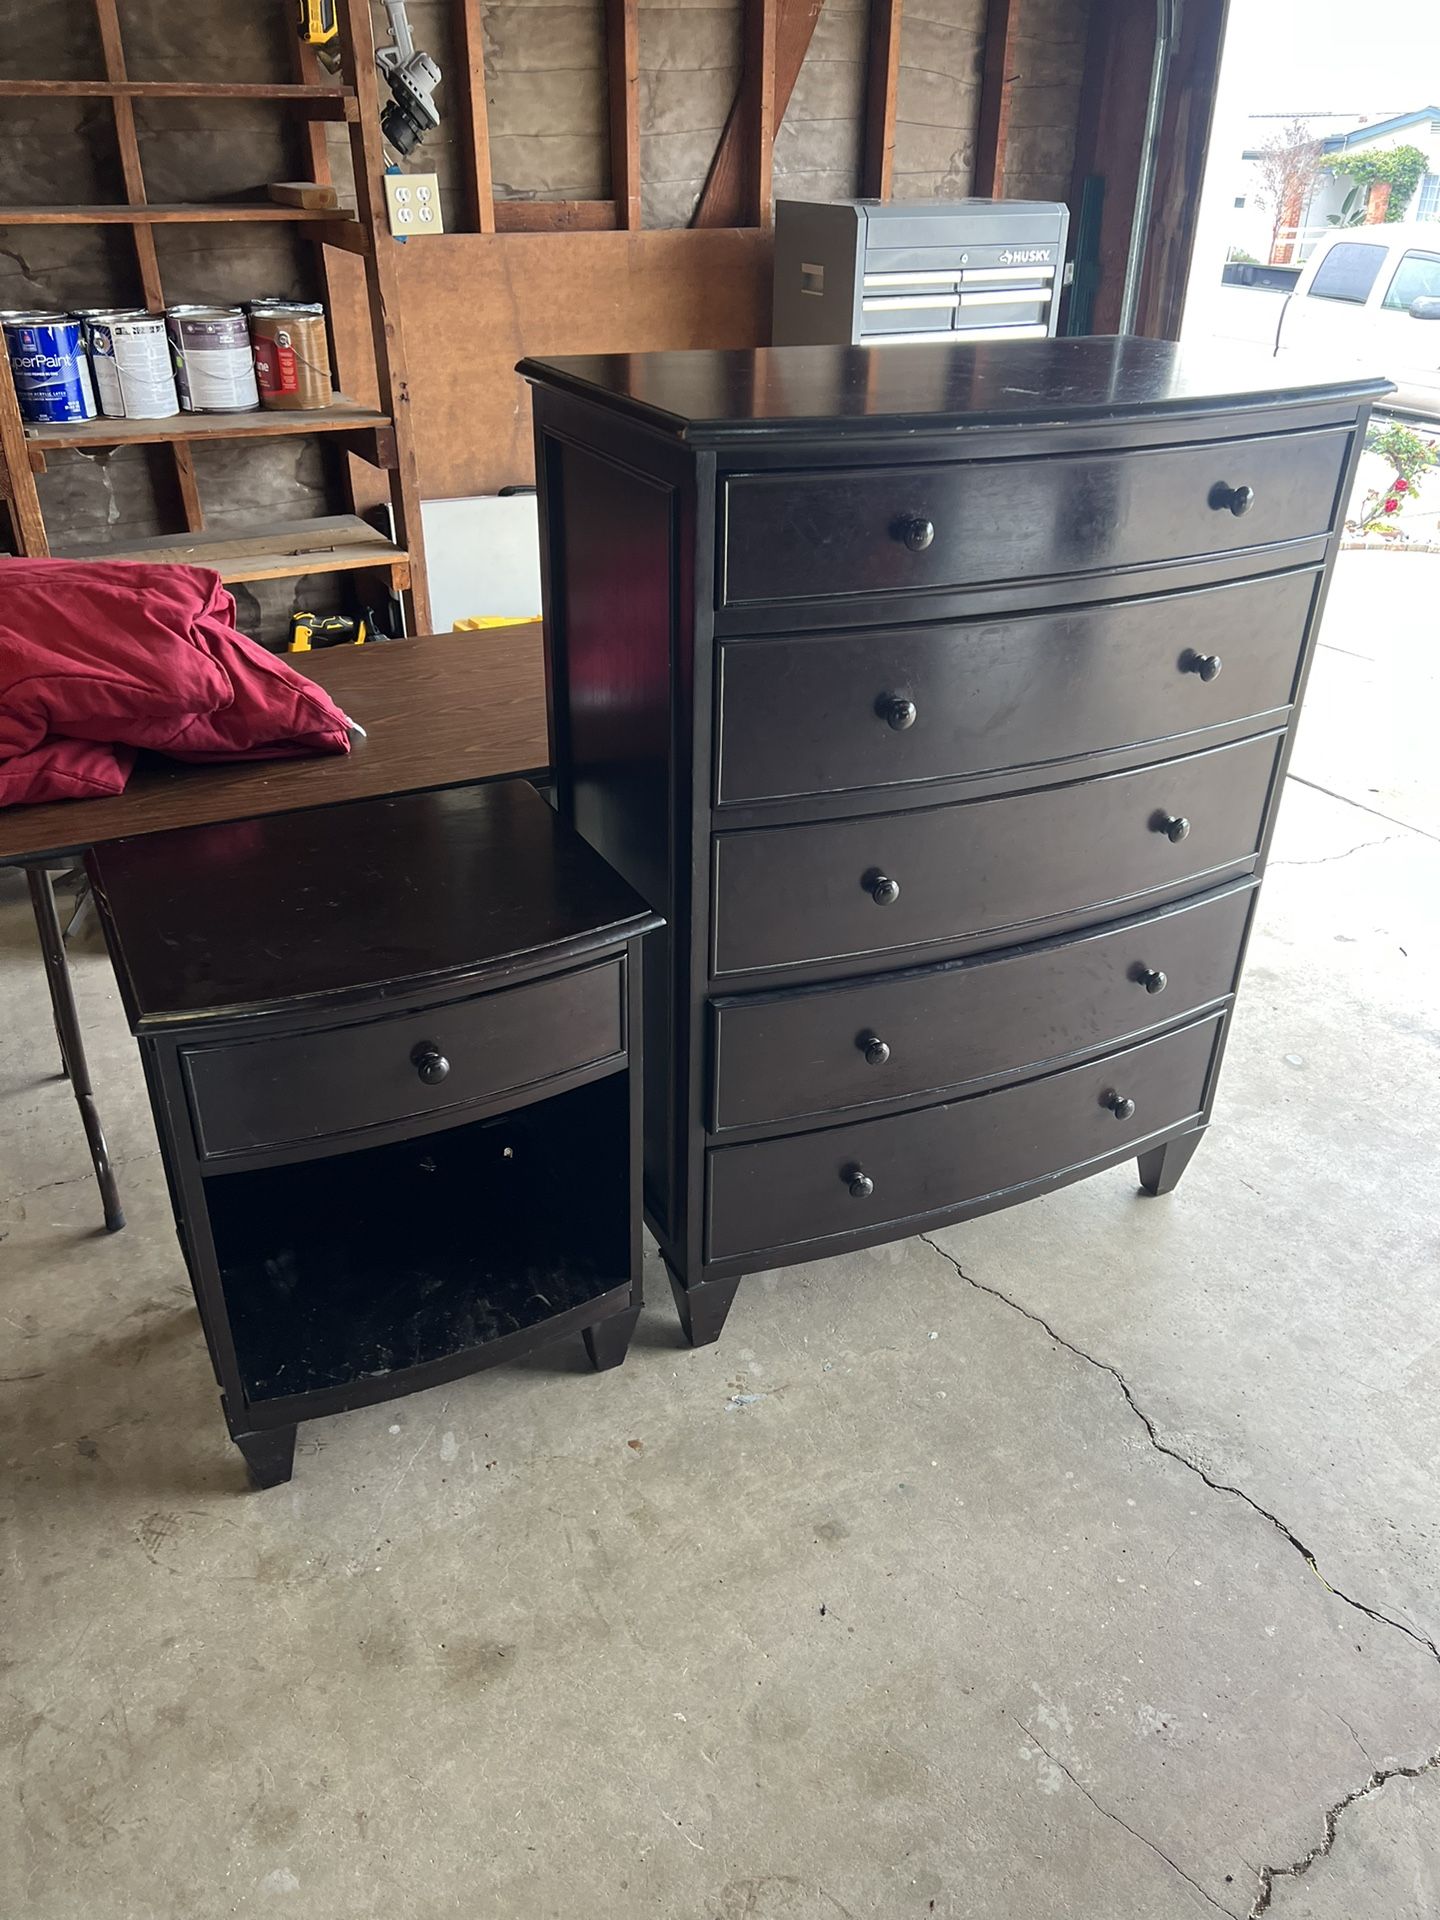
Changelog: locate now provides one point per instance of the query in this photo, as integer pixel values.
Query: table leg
(72, 1045)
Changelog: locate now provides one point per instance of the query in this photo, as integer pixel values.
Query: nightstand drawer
(815, 536)
(786, 896)
(829, 712)
(873, 1177)
(818, 1050)
(338, 1081)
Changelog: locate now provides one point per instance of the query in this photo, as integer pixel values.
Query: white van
(1370, 296)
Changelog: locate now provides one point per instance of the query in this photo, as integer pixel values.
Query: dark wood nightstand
(393, 1055)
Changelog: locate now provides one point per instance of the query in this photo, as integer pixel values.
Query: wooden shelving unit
(378, 436)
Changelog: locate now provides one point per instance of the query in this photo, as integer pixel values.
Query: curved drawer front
(819, 1050)
(784, 896)
(812, 536)
(247, 1095)
(880, 1173)
(832, 712)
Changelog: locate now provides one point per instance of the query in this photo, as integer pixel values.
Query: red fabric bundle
(100, 658)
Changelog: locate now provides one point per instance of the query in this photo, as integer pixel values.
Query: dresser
(940, 698)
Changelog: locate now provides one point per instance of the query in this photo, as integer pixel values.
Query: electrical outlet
(413, 200)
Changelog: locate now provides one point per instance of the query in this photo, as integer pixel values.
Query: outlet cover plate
(413, 202)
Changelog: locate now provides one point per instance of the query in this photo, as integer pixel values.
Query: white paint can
(130, 357)
(214, 361)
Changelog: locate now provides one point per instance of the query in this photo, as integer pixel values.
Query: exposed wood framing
(997, 80)
(17, 478)
(622, 65)
(146, 256)
(739, 187)
(474, 114)
(357, 46)
(882, 79)
(555, 216)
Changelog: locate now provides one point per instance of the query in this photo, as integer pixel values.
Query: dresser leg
(702, 1308)
(270, 1455)
(608, 1340)
(1161, 1167)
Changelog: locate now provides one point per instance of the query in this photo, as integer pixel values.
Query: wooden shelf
(329, 103)
(344, 417)
(175, 214)
(338, 544)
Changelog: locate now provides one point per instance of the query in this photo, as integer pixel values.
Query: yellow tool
(311, 630)
(317, 21)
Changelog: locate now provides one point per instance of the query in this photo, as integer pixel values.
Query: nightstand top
(339, 904)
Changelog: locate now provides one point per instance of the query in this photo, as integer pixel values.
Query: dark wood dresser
(940, 698)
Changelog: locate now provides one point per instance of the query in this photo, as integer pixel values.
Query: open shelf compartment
(394, 1260)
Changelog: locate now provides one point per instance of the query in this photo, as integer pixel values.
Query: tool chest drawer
(815, 1050)
(876, 1174)
(813, 536)
(252, 1094)
(804, 714)
(785, 896)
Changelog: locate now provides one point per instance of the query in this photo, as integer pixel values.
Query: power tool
(320, 29)
(412, 77)
(311, 630)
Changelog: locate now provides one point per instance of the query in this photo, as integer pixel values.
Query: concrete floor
(1081, 1563)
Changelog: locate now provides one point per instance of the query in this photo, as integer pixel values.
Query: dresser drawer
(254, 1094)
(830, 712)
(877, 1174)
(813, 536)
(817, 1050)
(784, 896)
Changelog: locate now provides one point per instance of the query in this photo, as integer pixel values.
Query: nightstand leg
(1161, 1167)
(72, 1044)
(608, 1340)
(702, 1308)
(270, 1455)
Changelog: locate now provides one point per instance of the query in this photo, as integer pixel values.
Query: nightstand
(393, 1056)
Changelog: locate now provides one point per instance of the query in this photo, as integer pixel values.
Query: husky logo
(1025, 256)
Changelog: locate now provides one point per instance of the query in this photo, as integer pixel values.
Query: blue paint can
(48, 361)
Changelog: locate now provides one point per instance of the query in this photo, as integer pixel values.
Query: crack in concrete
(1345, 800)
(1134, 1832)
(1379, 1778)
(1324, 859)
(1378, 1775)
(1163, 1446)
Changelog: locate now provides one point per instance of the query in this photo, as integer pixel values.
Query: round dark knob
(429, 1062)
(883, 891)
(876, 1051)
(1207, 665)
(1122, 1108)
(1236, 500)
(1152, 979)
(917, 532)
(860, 1184)
(1174, 826)
(896, 711)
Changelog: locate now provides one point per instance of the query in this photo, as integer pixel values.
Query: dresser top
(712, 396)
(345, 903)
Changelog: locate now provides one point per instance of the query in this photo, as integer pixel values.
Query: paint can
(47, 359)
(292, 353)
(214, 364)
(130, 359)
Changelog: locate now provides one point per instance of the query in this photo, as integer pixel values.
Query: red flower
(1392, 505)
(1402, 486)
